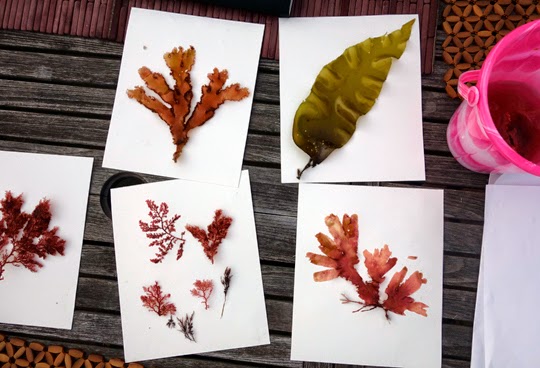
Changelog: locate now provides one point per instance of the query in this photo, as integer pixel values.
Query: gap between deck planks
(22, 127)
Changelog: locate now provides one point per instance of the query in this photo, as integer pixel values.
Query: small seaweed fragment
(170, 322)
(155, 300)
(185, 325)
(341, 257)
(161, 230)
(203, 289)
(345, 89)
(226, 282)
(26, 237)
(174, 104)
(211, 238)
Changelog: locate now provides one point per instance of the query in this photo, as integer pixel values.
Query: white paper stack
(506, 325)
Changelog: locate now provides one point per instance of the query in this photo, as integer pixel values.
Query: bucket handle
(471, 94)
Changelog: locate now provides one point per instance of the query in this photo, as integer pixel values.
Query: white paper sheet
(478, 351)
(46, 298)
(140, 141)
(508, 273)
(244, 322)
(514, 179)
(388, 142)
(410, 222)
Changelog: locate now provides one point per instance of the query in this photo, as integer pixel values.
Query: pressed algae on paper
(176, 105)
(341, 258)
(345, 89)
(25, 237)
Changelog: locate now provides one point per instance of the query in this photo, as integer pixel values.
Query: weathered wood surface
(56, 97)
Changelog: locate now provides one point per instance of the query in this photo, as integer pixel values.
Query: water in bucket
(497, 128)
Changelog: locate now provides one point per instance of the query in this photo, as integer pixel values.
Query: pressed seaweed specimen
(211, 238)
(226, 282)
(161, 229)
(203, 289)
(345, 89)
(155, 300)
(341, 258)
(185, 326)
(26, 237)
(175, 103)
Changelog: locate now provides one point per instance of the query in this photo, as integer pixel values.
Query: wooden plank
(447, 171)
(278, 281)
(464, 205)
(269, 195)
(59, 68)
(59, 129)
(86, 46)
(435, 79)
(105, 328)
(60, 98)
(460, 205)
(55, 97)
(93, 328)
(435, 137)
(60, 44)
(457, 341)
(102, 295)
(459, 238)
(74, 130)
(436, 105)
(16, 91)
(463, 238)
(93, 131)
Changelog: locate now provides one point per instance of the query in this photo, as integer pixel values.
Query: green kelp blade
(345, 89)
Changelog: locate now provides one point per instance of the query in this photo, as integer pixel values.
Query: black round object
(122, 179)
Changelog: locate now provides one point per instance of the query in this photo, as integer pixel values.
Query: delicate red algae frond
(341, 257)
(399, 293)
(155, 300)
(27, 234)
(203, 289)
(161, 230)
(211, 238)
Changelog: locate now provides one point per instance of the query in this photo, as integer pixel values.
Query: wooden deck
(56, 97)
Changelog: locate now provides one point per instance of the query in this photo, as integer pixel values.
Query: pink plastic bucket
(472, 135)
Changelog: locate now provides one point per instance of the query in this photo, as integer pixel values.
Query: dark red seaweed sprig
(155, 300)
(211, 238)
(161, 230)
(26, 237)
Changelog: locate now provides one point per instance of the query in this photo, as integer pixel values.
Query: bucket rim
(492, 132)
